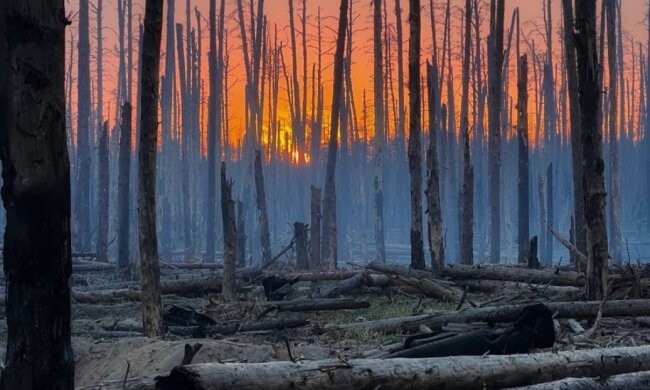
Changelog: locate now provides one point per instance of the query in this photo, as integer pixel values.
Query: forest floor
(109, 345)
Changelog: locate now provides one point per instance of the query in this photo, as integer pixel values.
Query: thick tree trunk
(124, 191)
(213, 137)
(241, 234)
(36, 196)
(436, 231)
(495, 64)
(401, 110)
(633, 380)
(591, 138)
(379, 139)
(300, 231)
(548, 276)
(82, 191)
(149, 260)
(265, 236)
(329, 252)
(314, 231)
(456, 372)
(467, 188)
(414, 149)
(229, 237)
(523, 177)
(102, 196)
(548, 261)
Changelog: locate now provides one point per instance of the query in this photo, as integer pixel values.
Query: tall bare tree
(229, 237)
(148, 239)
(380, 253)
(102, 195)
(329, 252)
(593, 181)
(123, 191)
(36, 195)
(495, 89)
(523, 176)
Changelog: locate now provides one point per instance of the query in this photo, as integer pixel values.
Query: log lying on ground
(461, 372)
(490, 286)
(422, 280)
(343, 286)
(632, 380)
(232, 328)
(496, 314)
(315, 305)
(514, 274)
(318, 276)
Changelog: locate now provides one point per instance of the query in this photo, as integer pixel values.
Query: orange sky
(633, 14)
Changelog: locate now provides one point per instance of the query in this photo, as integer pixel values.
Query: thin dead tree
(229, 237)
(467, 188)
(36, 195)
(380, 252)
(579, 223)
(265, 236)
(523, 176)
(434, 222)
(123, 191)
(495, 89)
(415, 150)
(593, 181)
(329, 251)
(102, 196)
(148, 239)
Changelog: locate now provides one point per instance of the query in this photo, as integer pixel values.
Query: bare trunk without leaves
(593, 181)
(495, 64)
(300, 231)
(329, 254)
(123, 191)
(265, 236)
(229, 237)
(149, 259)
(82, 192)
(436, 231)
(379, 141)
(102, 196)
(523, 177)
(314, 231)
(36, 194)
(467, 188)
(414, 149)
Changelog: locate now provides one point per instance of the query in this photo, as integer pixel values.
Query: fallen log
(422, 280)
(318, 276)
(460, 372)
(315, 305)
(232, 328)
(575, 252)
(515, 274)
(342, 287)
(490, 286)
(632, 380)
(496, 314)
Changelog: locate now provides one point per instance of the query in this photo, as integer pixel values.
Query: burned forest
(325, 194)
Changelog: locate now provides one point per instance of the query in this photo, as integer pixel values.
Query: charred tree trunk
(123, 192)
(548, 261)
(149, 261)
(436, 232)
(241, 234)
(102, 196)
(401, 111)
(329, 222)
(213, 140)
(495, 64)
(380, 253)
(36, 196)
(614, 174)
(314, 232)
(415, 150)
(467, 188)
(575, 121)
(591, 138)
(82, 192)
(229, 237)
(300, 230)
(265, 236)
(523, 177)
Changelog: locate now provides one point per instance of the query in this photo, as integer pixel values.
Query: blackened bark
(434, 222)
(548, 261)
(329, 252)
(575, 121)
(82, 192)
(149, 261)
(102, 196)
(379, 139)
(229, 237)
(467, 188)
(241, 234)
(314, 231)
(523, 177)
(124, 191)
(265, 236)
(414, 149)
(300, 231)
(593, 181)
(36, 196)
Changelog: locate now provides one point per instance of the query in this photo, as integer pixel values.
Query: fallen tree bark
(632, 380)
(316, 304)
(496, 314)
(343, 286)
(490, 286)
(514, 274)
(461, 372)
(421, 280)
(232, 328)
